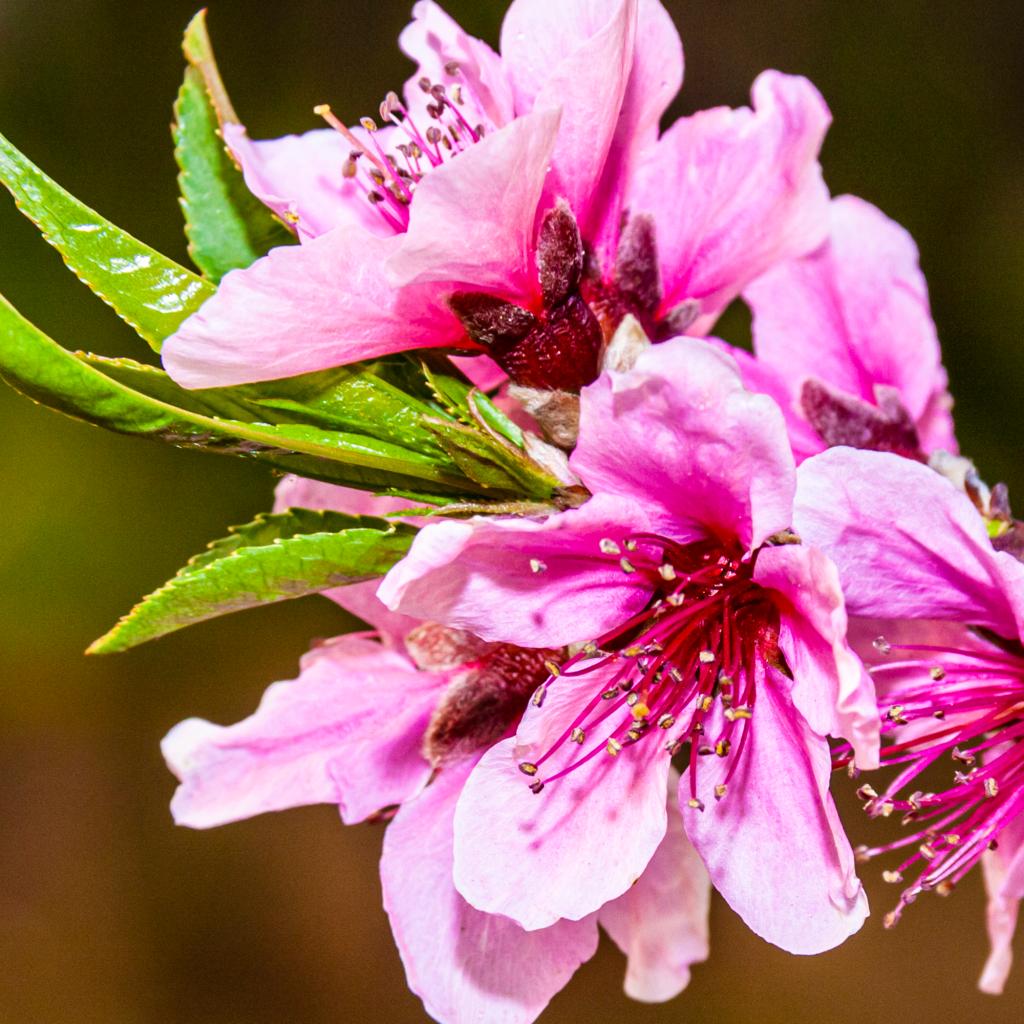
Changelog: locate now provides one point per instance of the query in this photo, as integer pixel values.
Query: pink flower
(845, 341)
(401, 718)
(695, 636)
(912, 548)
(518, 204)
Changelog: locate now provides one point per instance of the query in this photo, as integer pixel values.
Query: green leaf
(226, 225)
(134, 399)
(275, 558)
(149, 291)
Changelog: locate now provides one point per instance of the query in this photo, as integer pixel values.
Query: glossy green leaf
(226, 225)
(149, 291)
(275, 558)
(133, 399)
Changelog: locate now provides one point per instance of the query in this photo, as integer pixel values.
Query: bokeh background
(110, 914)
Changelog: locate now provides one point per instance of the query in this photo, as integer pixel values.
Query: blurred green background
(110, 914)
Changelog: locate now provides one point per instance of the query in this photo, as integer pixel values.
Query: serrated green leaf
(146, 289)
(226, 225)
(142, 401)
(275, 558)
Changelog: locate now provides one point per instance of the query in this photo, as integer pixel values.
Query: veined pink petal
(435, 41)
(303, 308)
(734, 191)
(347, 731)
(300, 178)
(471, 219)
(465, 965)
(564, 852)
(680, 434)
(855, 314)
(533, 583)
(774, 845)
(831, 688)
(661, 923)
(907, 543)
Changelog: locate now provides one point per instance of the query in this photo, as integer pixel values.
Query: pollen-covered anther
(537, 566)
(697, 805)
(610, 694)
(892, 877)
(867, 793)
(895, 714)
(705, 702)
(667, 572)
(706, 657)
(627, 566)
(991, 788)
(553, 668)
(937, 672)
(722, 748)
(964, 757)
(537, 700)
(927, 851)
(945, 887)
(609, 547)
(528, 768)
(577, 735)
(613, 747)
(720, 790)
(666, 721)
(732, 714)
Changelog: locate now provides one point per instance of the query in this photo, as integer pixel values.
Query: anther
(667, 572)
(937, 672)
(368, 124)
(610, 694)
(881, 645)
(706, 657)
(527, 767)
(536, 787)
(609, 547)
(991, 787)
(666, 722)
(867, 793)
(722, 748)
(627, 566)
(697, 805)
(892, 877)
(536, 565)
(577, 735)
(552, 668)
(720, 790)
(537, 700)
(613, 747)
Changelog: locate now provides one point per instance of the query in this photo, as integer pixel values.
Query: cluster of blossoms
(762, 566)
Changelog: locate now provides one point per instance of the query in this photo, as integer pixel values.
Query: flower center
(685, 666)
(969, 705)
(389, 177)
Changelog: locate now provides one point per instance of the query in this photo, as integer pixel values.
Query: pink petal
(471, 219)
(465, 965)
(301, 492)
(584, 840)
(347, 731)
(574, 56)
(831, 689)
(661, 923)
(303, 308)
(533, 583)
(300, 178)
(749, 193)
(774, 845)
(855, 314)
(908, 544)
(681, 435)
(481, 371)
(1004, 884)
(435, 40)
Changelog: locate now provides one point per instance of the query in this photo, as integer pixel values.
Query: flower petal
(436, 41)
(774, 845)
(1004, 883)
(465, 965)
(661, 923)
(750, 192)
(855, 314)
(831, 689)
(533, 583)
(303, 308)
(907, 543)
(471, 219)
(300, 177)
(347, 731)
(679, 433)
(301, 492)
(566, 851)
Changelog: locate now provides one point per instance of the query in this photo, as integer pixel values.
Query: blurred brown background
(110, 914)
